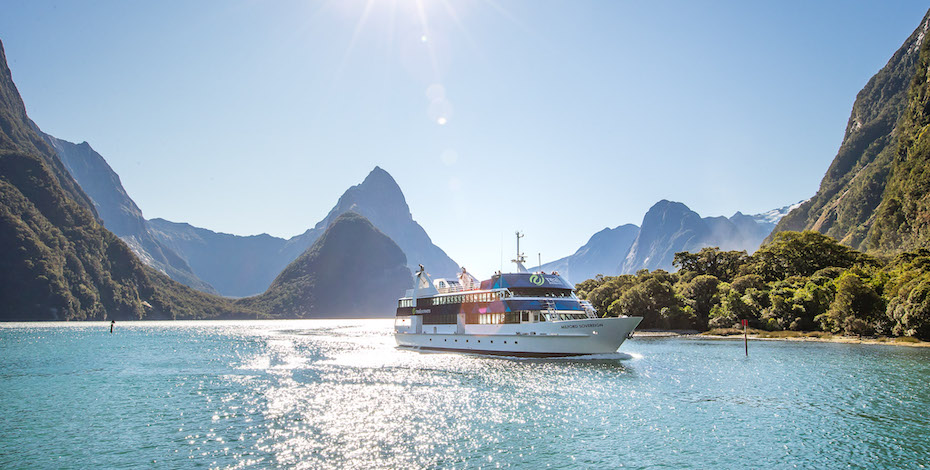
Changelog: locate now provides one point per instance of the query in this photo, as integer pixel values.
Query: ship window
(525, 316)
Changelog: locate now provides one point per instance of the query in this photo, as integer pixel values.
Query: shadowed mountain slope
(58, 262)
(119, 212)
(351, 270)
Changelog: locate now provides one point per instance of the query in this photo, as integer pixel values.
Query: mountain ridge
(240, 266)
(356, 258)
(854, 185)
(58, 261)
(667, 227)
(119, 212)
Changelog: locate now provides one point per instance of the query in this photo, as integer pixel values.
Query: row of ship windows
(464, 298)
(485, 297)
(493, 318)
(453, 299)
(475, 318)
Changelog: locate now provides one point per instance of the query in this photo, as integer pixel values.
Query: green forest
(801, 281)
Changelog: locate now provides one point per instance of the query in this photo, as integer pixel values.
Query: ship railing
(450, 289)
(453, 289)
(589, 309)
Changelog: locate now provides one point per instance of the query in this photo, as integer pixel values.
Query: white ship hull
(539, 339)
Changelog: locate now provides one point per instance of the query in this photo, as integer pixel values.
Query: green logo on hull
(537, 279)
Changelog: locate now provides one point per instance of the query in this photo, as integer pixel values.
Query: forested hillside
(858, 180)
(800, 281)
(58, 262)
(352, 270)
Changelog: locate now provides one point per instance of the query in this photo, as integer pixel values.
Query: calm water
(338, 394)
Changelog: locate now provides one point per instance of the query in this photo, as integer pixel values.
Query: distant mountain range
(667, 228)
(234, 265)
(239, 266)
(59, 261)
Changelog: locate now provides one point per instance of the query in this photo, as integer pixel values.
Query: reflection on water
(323, 393)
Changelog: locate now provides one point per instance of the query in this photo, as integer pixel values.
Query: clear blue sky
(559, 118)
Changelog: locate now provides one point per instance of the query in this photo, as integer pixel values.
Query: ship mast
(520, 259)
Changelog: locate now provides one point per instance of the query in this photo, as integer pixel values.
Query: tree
(701, 295)
(856, 308)
(653, 300)
(724, 265)
(910, 310)
(802, 254)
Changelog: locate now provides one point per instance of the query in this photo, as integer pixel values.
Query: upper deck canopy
(526, 280)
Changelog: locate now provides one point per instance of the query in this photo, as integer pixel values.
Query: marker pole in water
(745, 337)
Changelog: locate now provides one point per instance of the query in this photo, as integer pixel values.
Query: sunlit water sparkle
(338, 393)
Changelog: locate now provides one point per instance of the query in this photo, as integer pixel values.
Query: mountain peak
(379, 176)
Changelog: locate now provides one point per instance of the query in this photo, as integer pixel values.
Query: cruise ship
(519, 314)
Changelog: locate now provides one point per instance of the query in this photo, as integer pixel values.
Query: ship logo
(537, 279)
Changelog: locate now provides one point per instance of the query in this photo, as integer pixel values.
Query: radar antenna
(520, 259)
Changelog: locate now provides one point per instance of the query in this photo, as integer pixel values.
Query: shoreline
(808, 336)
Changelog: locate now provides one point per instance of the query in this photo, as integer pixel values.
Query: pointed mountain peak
(379, 176)
(378, 185)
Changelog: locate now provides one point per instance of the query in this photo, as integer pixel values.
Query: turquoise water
(339, 394)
